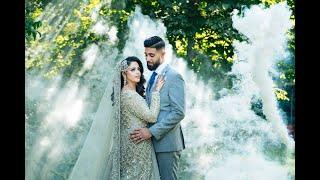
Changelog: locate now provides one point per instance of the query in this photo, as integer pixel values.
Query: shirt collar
(161, 68)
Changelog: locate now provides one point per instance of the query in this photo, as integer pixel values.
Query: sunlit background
(237, 59)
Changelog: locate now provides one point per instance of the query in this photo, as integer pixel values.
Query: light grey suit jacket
(166, 133)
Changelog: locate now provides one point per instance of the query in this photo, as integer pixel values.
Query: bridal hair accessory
(123, 65)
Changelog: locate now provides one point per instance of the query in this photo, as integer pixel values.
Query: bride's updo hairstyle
(140, 88)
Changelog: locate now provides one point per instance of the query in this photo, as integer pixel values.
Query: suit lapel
(148, 94)
(164, 72)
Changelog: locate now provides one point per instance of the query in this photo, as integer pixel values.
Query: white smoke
(218, 133)
(266, 30)
(102, 28)
(221, 131)
(90, 55)
(59, 111)
(250, 166)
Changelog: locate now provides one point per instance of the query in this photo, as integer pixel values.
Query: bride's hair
(140, 88)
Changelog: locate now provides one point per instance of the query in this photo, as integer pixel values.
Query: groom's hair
(154, 42)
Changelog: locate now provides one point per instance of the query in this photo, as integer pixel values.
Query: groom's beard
(154, 66)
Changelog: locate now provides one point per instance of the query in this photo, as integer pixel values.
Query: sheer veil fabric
(100, 155)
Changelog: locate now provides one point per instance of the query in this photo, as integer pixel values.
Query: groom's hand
(140, 134)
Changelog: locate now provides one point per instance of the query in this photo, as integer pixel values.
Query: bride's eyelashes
(133, 69)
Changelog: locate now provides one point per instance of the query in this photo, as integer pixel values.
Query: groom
(166, 133)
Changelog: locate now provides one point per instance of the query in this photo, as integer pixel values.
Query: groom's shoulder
(174, 73)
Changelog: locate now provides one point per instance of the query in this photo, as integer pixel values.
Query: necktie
(153, 76)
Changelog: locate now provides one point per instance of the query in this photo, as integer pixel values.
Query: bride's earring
(124, 79)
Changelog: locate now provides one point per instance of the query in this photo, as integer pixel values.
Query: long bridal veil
(99, 157)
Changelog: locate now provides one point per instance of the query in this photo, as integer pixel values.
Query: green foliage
(200, 31)
(31, 28)
(67, 46)
(286, 83)
(72, 41)
(32, 11)
(118, 17)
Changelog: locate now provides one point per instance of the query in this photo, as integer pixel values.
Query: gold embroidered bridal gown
(137, 161)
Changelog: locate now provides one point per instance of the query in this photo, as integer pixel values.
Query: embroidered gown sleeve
(140, 109)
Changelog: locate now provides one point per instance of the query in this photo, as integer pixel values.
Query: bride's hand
(160, 82)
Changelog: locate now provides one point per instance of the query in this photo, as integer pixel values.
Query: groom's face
(154, 57)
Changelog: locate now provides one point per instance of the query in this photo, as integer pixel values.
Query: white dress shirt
(159, 70)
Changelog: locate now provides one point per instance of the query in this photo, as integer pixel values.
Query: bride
(108, 152)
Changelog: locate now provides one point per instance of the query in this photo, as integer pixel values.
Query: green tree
(201, 32)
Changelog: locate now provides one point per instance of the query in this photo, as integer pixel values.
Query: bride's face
(133, 73)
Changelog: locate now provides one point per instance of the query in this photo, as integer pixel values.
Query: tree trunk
(190, 52)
